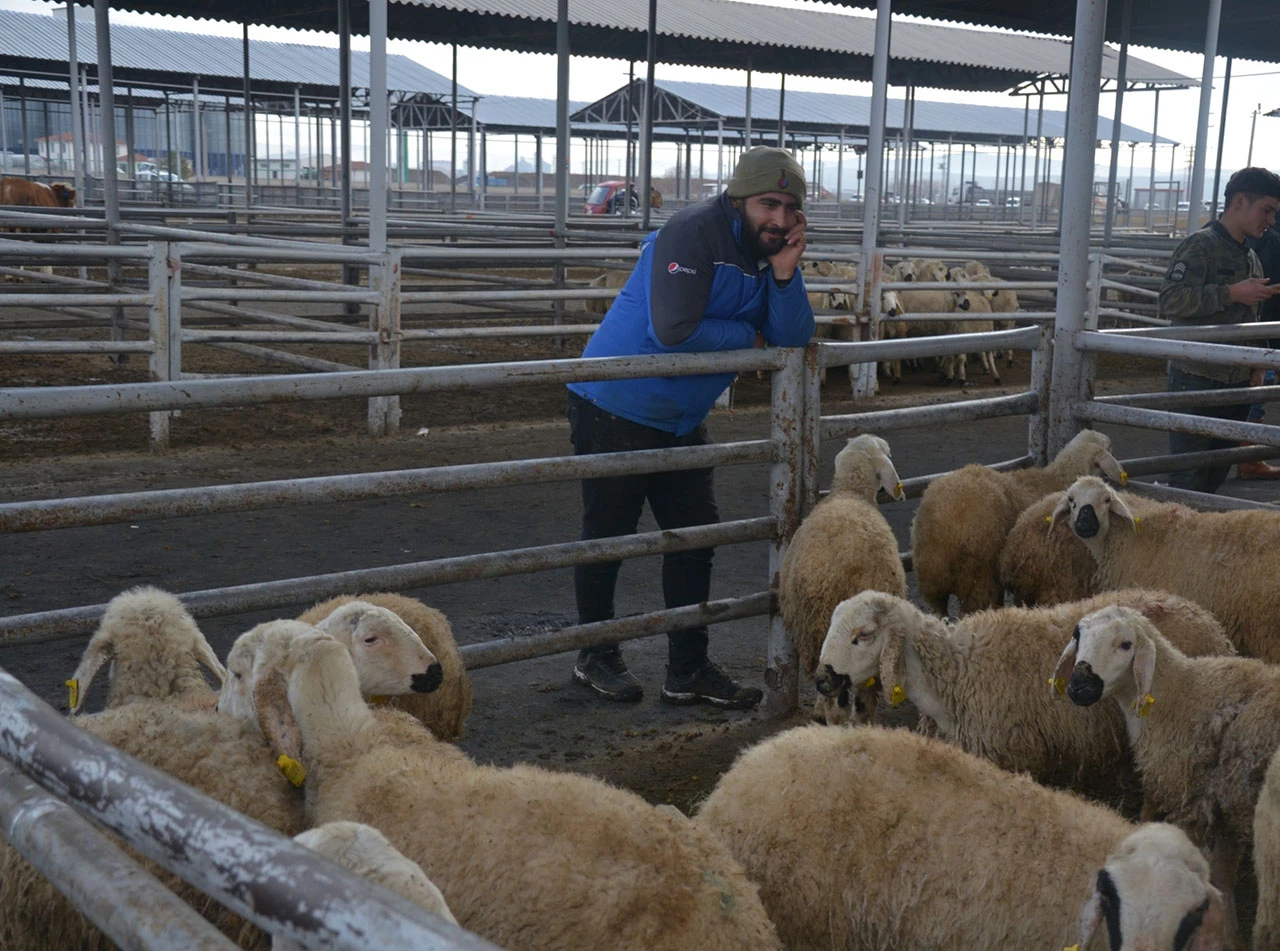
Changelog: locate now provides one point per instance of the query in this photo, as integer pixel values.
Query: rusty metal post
(384, 319)
(164, 272)
(1041, 377)
(786, 488)
(1093, 295)
(811, 429)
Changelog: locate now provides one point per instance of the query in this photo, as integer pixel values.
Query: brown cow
(19, 191)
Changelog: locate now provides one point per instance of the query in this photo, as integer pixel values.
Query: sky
(493, 72)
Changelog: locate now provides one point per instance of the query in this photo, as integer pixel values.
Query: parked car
(982, 203)
(607, 198)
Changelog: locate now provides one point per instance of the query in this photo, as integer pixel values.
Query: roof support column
(719, 155)
(1022, 183)
(537, 164)
(1222, 134)
(1116, 129)
(782, 111)
(77, 129)
(453, 140)
(563, 157)
(1151, 180)
(1035, 172)
(905, 163)
(297, 145)
(1196, 195)
(628, 173)
(1071, 317)
(344, 120)
(249, 164)
(197, 130)
(378, 125)
(875, 153)
(111, 195)
(646, 131)
(746, 133)
(839, 172)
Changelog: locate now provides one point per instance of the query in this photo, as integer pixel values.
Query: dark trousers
(1209, 478)
(612, 506)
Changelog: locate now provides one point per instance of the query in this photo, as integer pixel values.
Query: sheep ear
(1062, 508)
(275, 717)
(206, 656)
(1209, 935)
(1144, 664)
(1090, 918)
(1118, 507)
(887, 478)
(1112, 469)
(95, 655)
(1066, 664)
(892, 667)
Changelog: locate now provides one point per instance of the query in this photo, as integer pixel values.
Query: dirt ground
(529, 711)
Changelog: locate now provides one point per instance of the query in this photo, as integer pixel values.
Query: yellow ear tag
(869, 682)
(1074, 947)
(1136, 520)
(1048, 519)
(379, 700)
(1058, 684)
(73, 689)
(1124, 477)
(897, 695)
(897, 491)
(293, 771)
(1144, 705)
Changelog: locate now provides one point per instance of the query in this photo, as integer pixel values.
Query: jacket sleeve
(1185, 291)
(679, 288)
(789, 320)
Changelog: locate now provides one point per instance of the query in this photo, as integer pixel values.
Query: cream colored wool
(527, 858)
(1266, 861)
(965, 516)
(867, 839)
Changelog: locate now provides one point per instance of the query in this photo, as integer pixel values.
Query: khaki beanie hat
(766, 169)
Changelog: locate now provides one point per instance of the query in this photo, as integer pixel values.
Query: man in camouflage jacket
(1214, 278)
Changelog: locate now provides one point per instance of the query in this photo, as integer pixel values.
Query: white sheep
(891, 306)
(1202, 729)
(977, 680)
(445, 710)
(611, 278)
(1266, 860)
(155, 652)
(953, 367)
(866, 839)
(222, 757)
(843, 547)
(541, 859)
(965, 516)
(1224, 561)
(364, 850)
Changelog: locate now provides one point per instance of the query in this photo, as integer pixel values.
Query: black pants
(612, 506)
(1208, 478)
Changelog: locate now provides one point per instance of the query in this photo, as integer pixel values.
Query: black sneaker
(606, 673)
(709, 684)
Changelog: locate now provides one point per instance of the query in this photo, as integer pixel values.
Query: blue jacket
(695, 288)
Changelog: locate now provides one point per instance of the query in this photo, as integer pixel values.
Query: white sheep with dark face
(1202, 729)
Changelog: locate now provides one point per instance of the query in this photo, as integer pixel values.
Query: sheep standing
(364, 850)
(871, 839)
(445, 710)
(527, 857)
(978, 680)
(1202, 729)
(1266, 860)
(155, 651)
(614, 277)
(843, 547)
(953, 367)
(1224, 561)
(965, 517)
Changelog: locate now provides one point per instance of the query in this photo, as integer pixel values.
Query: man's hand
(1252, 290)
(786, 261)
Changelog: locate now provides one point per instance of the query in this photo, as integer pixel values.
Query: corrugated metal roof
(790, 28)
(33, 37)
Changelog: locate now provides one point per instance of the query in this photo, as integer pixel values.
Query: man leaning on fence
(1214, 278)
(722, 274)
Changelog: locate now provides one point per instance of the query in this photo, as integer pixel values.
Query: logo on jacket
(1179, 271)
(674, 268)
(782, 180)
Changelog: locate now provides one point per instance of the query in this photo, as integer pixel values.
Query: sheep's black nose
(831, 684)
(1087, 522)
(1085, 687)
(425, 683)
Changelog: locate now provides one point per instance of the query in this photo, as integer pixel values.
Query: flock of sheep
(1003, 821)
(1117, 687)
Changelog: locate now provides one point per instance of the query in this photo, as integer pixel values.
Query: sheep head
(891, 305)
(932, 271)
(1089, 453)
(863, 644)
(1154, 892)
(389, 655)
(865, 466)
(1112, 653)
(1089, 506)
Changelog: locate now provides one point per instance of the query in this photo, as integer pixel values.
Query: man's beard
(766, 244)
